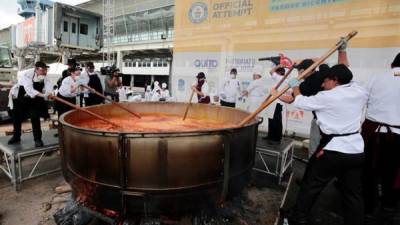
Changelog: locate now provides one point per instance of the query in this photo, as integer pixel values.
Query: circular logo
(198, 12)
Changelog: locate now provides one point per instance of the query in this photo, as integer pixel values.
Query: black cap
(74, 68)
(304, 64)
(90, 65)
(396, 61)
(341, 73)
(41, 64)
(234, 70)
(200, 75)
(71, 62)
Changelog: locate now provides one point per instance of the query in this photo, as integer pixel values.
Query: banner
(214, 36)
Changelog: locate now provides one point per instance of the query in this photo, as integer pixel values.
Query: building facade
(142, 38)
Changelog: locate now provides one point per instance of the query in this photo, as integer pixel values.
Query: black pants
(228, 104)
(389, 168)
(320, 171)
(19, 114)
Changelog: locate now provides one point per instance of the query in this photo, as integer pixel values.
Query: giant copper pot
(158, 173)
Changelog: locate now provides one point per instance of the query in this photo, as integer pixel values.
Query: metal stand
(276, 158)
(14, 155)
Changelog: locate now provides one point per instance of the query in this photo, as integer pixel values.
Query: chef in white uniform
(339, 111)
(230, 89)
(256, 91)
(381, 133)
(165, 96)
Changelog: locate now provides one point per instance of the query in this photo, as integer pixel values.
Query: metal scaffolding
(109, 31)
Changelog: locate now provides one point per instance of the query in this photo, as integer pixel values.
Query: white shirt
(257, 88)
(66, 88)
(277, 77)
(229, 90)
(26, 77)
(384, 99)
(122, 94)
(165, 94)
(339, 111)
(204, 88)
(155, 97)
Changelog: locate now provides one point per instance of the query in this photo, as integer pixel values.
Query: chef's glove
(342, 44)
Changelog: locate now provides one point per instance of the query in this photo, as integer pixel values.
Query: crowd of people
(355, 132)
(354, 135)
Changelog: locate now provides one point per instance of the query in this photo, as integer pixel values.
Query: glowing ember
(154, 123)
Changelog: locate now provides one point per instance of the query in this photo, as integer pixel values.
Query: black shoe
(14, 140)
(39, 144)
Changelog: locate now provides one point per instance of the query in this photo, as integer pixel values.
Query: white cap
(156, 83)
(258, 69)
(148, 88)
(164, 85)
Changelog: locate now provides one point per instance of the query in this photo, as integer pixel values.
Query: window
(84, 29)
(73, 28)
(126, 64)
(140, 64)
(134, 64)
(165, 64)
(65, 26)
(148, 64)
(155, 63)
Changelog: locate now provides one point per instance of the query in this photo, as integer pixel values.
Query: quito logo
(198, 12)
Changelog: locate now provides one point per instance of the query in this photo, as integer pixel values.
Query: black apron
(61, 107)
(326, 138)
(37, 104)
(93, 99)
(275, 126)
(203, 100)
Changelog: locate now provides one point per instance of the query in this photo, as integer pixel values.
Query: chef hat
(156, 83)
(258, 69)
(164, 85)
(148, 88)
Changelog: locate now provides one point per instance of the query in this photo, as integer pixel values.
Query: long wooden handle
(280, 82)
(300, 77)
(84, 110)
(188, 106)
(112, 102)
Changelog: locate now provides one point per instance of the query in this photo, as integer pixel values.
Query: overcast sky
(8, 11)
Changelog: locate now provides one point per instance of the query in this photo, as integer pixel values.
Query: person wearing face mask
(201, 89)
(340, 153)
(93, 81)
(34, 88)
(69, 89)
(164, 92)
(256, 91)
(230, 90)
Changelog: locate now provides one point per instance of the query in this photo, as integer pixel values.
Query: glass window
(84, 29)
(148, 64)
(165, 64)
(134, 64)
(65, 26)
(73, 28)
(140, 64)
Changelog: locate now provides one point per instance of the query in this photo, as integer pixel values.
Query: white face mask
(40, 78)
(233, 76)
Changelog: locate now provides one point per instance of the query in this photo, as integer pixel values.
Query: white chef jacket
(230, 88)
(155, 97)
(66, 86)
(339, 111)
(256, 94)
(26, 77)
(383, 99)
(165, 94)
(277, 77)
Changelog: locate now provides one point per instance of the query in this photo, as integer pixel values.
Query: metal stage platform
(13, 157)
(275, 158)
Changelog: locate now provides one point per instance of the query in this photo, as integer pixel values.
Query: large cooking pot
(157, 173)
